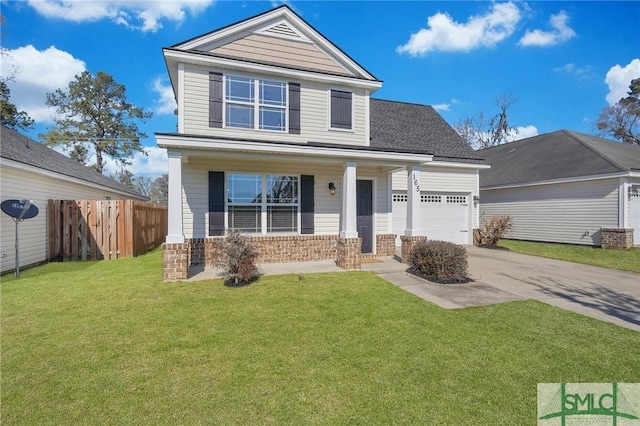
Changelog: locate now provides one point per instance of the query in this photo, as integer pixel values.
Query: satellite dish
(19, 209)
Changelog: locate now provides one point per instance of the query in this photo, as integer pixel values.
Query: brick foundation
(349, 253)
(175, 261)
(407, 246)
(616, 238)
(295, 248)
(385, 245)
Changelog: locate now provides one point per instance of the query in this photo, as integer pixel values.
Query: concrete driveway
(606, 294)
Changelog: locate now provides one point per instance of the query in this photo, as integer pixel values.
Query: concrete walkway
(502, 276)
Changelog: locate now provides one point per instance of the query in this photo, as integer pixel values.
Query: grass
(109, 343)
(625, 260)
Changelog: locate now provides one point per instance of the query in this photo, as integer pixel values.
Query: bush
(439, 261)
(493, 229)
(240, 255)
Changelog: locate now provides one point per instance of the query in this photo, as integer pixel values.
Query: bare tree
(621, 121)
(482, 132)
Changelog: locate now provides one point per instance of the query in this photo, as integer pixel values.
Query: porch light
(332, 188)
(476, 199)
(633, 191)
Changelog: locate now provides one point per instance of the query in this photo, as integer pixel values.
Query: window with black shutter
(341, 109)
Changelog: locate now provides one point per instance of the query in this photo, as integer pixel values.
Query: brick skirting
(385, 245)
(616, 238)
(175, 261)
(177, 258)
(407, 246)
(349, 253)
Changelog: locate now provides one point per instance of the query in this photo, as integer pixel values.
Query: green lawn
(109, 343)
(626, 260)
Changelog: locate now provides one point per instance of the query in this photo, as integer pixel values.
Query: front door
(364, 194)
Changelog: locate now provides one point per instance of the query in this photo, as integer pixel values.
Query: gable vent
(282, 30)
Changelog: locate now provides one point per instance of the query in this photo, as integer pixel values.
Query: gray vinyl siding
(314, 113)
(195, 194)
(292, 53)
(445, 180)
(33, 233)
(570, 213)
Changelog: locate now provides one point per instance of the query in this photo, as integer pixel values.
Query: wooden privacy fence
(104, 229)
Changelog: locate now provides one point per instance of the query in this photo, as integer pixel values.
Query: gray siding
(570, 213)
(314, 113)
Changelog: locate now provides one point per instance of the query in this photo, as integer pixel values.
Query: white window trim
(255, 104)
(263, 204)
(353, 103)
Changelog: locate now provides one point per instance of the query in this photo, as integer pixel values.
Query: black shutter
(216, 203)
(215, 99)
(341, 109)
(306, 204)
(294, 108)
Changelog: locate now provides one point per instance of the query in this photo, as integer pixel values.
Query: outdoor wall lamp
(633, 191)
(476, 199)
(332, 188)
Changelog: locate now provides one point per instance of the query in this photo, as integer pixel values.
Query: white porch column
(348, 219)
(175, 233)
(413, 202)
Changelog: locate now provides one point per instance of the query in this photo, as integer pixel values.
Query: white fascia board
(458, 165)
(47, 173)
(237, 64)
(268, 18)
(181, 142)
(563, 180)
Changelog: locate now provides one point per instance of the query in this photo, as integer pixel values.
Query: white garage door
(634, 216)
(444, 216)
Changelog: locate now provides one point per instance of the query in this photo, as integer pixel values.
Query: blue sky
(563, 61)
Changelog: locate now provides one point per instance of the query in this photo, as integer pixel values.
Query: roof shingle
(557, 155)
(17, 147)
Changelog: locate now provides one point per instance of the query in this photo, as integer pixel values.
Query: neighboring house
(278, 137)
(564, 187)
(32, 171)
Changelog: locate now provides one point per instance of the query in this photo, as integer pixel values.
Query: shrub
(493, 229)
(239, 257)
(439, 261)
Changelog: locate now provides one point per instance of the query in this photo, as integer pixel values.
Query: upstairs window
(341, 110)
(255, 104)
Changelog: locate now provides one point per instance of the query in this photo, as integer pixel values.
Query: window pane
(244, 188)
(272, 118)
(239, 89)
(282, 218)
(282, 189)
(239, 116)
(273, 93)
(245, 218)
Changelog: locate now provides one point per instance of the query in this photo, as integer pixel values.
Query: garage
(444, 216)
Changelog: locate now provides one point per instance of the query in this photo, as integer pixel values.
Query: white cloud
(560, 33)
(444, 34)
(571, 68)
(441, 107)
(136, 14)
(618, 79)
(524, 132)
(39, 73)
(166, 102)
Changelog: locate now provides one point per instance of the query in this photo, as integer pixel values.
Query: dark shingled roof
(19, 148)
(419, 128)
(557, 155)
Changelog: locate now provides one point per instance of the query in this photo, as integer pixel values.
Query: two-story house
(278, 137)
